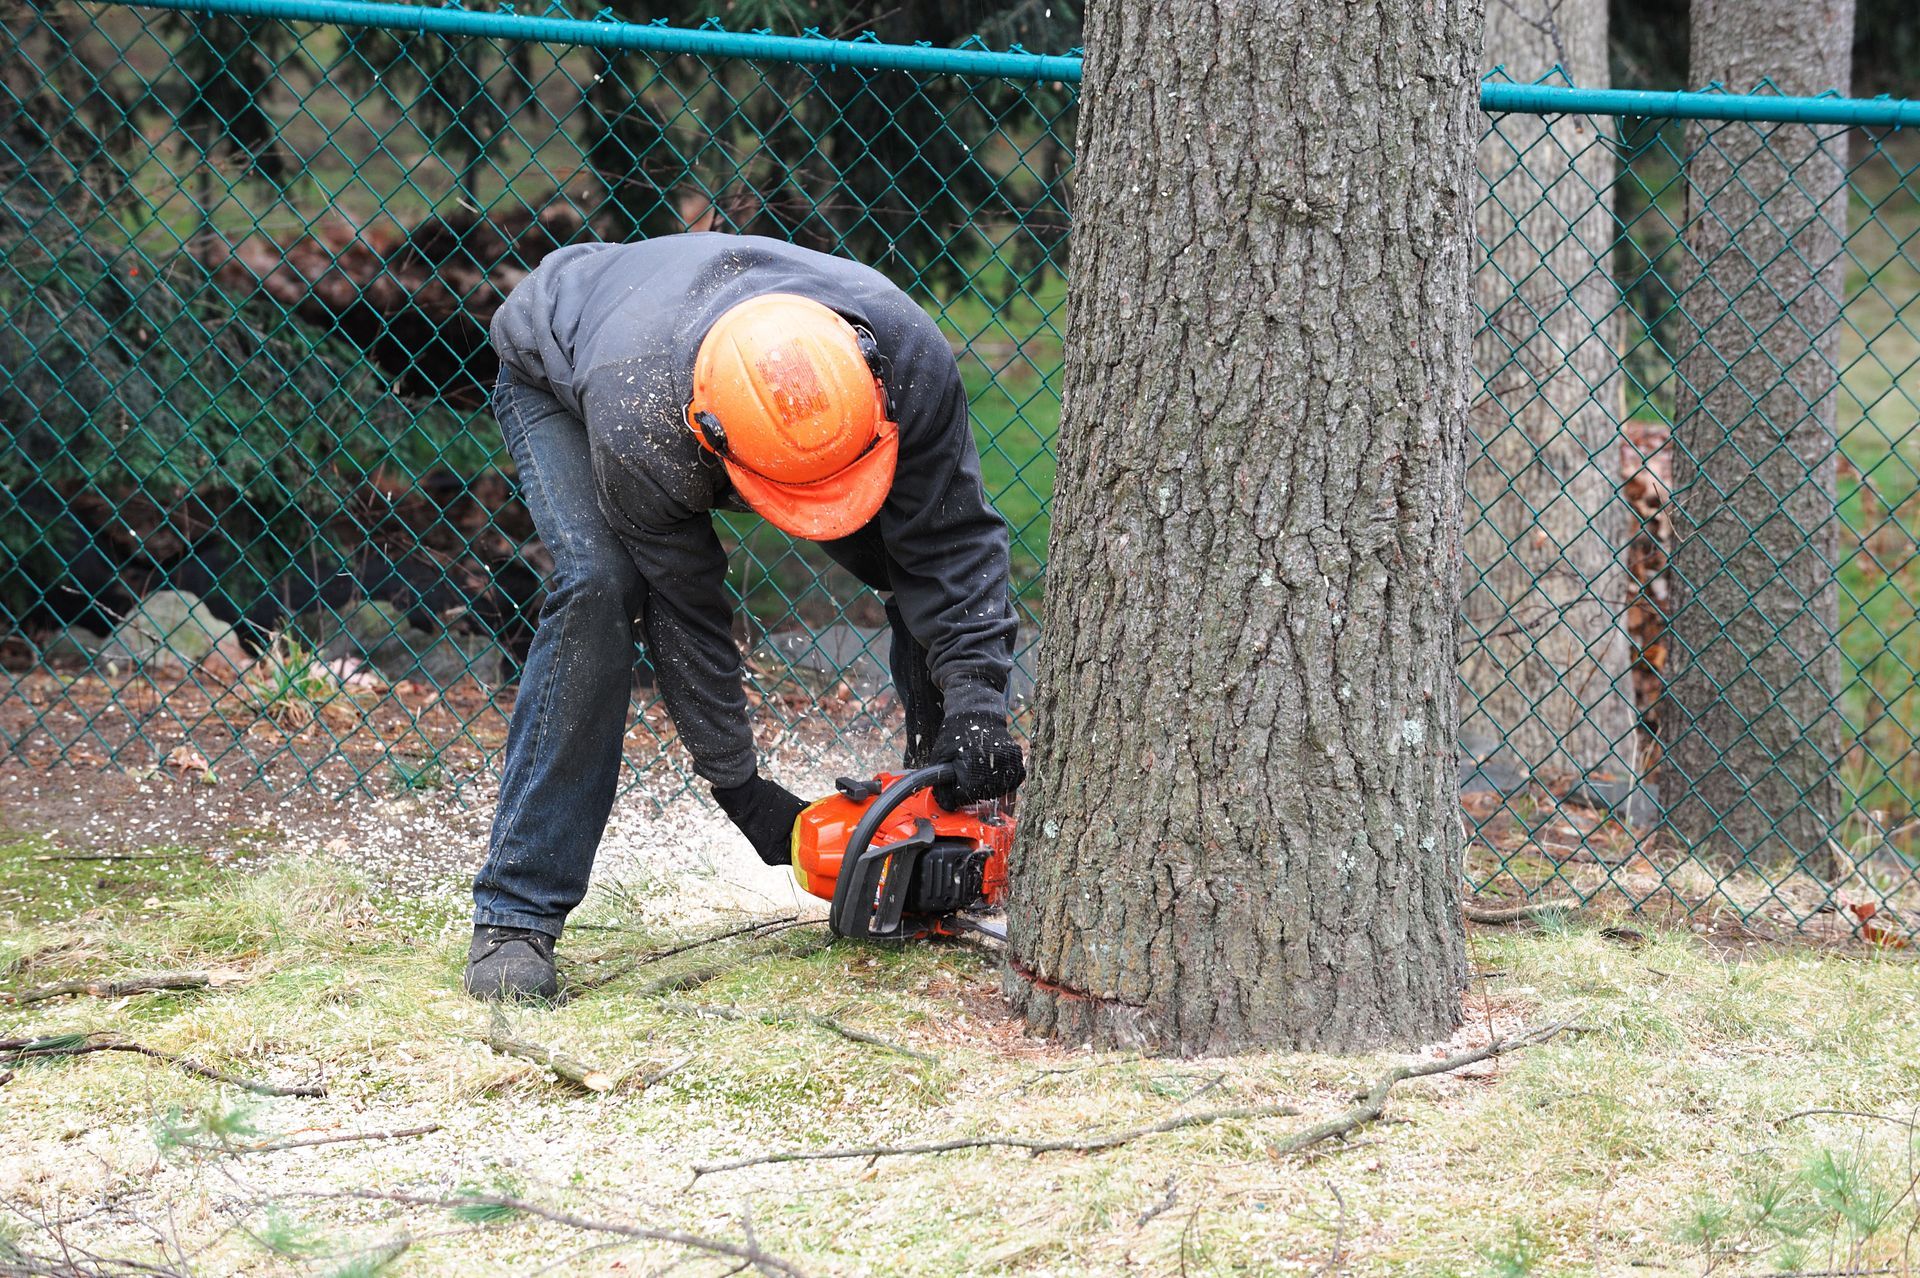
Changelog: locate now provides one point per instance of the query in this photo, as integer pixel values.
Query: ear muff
(711, 431)
(879, 365)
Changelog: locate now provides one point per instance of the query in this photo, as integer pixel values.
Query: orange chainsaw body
(821, 835)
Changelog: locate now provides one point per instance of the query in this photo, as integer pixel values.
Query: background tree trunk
(1751, 733)
(1545, 656)
(1243, 828)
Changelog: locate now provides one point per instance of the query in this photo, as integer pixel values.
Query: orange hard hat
(789, 395)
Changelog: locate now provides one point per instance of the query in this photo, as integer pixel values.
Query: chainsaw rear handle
(853, 911)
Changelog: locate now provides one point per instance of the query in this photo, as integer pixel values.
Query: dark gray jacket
(611, 330)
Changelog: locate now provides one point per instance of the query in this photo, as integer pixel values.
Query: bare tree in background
(1751, 731)
(1545, 657)
(1243, 829)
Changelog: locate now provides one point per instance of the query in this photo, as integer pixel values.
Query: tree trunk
(1242, 829)
(1545, 657)
(1751, 732)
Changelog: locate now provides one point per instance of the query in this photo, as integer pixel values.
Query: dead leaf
(186, 760)
(1862, 913)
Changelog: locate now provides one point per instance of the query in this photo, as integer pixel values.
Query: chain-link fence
(260, 526)
(1689, 645)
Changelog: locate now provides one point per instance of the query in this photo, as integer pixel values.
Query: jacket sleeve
(686, 621)
(947, 546)
(655, 492)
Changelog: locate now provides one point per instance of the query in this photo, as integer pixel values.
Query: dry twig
(21, 1049)
(1076, 1144)
(713, 1246)
(644, 1081)
(1038, 1074)
(1909, 1124)
(760, 927)
(1164, 1205)
(114, 989)
(1344, 1147)
(1372, 1103)
(268, 1147)
(701, 973)
(566, 1068)
(1339, 1235)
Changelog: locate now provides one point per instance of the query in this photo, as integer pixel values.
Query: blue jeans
(564, 741)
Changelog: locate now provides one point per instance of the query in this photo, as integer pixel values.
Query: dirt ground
(400, 782)
(425, 841)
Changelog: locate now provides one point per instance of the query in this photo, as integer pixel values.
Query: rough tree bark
(1545, 656)
(1751, 735)
(1242, 829)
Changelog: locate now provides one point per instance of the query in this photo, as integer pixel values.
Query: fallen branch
(267, 1147)
(6, 1076)
(1532, 912)
(700, 974)
(566, 1068)
(1373, 1101)
(871, 1040)
(1344, 1147)
(113, 989)
(713, 1246)
(761, 927)
(746, 1228)
(71, 1260)
(804, 1018)
(1163, 1206)
(1076, 1144)
(1339, 1234)
(111, 856)
(21, 1049)
(649, 1079)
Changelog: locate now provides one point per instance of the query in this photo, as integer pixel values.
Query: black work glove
(986, 760)
(765, 812)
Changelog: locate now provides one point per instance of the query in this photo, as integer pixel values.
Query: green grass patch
(46, 883)
(1667, 1132)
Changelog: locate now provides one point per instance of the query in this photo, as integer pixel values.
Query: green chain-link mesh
(259, 525)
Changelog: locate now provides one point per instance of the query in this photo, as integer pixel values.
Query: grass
(1662, 1135)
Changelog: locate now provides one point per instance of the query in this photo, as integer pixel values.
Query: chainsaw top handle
(890, 798)
(853, 906)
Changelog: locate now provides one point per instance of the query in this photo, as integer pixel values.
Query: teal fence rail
(259, 526)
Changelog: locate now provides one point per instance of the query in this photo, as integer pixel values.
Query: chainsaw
(897, 866)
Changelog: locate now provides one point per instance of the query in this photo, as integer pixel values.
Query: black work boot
(511, 963)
